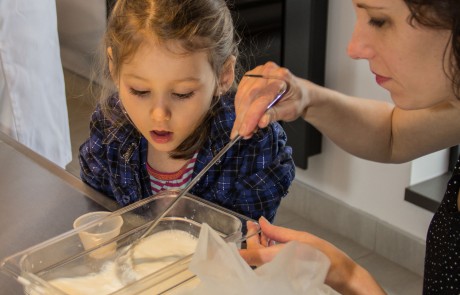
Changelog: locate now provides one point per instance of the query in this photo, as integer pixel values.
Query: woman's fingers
(255, 93)
(258, 257)
(253, 241)
(279, 234)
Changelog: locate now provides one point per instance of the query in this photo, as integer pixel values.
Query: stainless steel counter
(38, 200)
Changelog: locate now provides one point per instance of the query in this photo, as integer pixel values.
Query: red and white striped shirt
(171, 181)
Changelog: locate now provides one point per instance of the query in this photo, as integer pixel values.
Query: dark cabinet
(291, 33)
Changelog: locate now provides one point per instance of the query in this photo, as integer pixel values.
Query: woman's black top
(442, 260)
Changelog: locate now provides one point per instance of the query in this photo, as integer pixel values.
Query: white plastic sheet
(297, 269)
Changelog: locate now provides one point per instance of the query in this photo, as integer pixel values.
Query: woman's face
(166, 94)
(406, 60)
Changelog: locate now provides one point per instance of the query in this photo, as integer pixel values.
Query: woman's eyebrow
(366, 6)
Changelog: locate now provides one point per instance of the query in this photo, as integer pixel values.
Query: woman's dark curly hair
(443, 15)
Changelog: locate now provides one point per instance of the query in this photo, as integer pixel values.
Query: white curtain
(33, 106)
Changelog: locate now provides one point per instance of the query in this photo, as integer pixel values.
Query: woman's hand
(264, 247)
(253, 96)
(345, 275)
(260, 249)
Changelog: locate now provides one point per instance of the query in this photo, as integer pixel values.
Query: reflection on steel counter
(39, 200)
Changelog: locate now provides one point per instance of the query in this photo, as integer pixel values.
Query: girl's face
(406, 60)
(165, 94)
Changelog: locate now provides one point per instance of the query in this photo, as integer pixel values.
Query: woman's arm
(369, 129)
(379, 131)
(345, 275)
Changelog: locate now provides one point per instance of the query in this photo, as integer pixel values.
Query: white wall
(430, 166)
(374, 188)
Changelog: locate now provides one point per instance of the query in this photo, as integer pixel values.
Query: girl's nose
(160, 112)
(359, 46)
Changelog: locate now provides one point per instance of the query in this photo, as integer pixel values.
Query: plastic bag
(297, 269)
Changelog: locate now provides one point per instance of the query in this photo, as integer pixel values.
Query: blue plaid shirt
(251, 178)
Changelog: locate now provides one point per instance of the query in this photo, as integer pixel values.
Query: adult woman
(413, 48)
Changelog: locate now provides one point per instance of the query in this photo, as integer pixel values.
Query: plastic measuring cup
(100, 232)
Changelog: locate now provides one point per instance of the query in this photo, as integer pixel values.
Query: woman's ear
(227, 76)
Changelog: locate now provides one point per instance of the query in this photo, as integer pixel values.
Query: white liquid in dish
(168, 246)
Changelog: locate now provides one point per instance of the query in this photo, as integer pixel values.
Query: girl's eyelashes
(138, 92)
(375, 22)
(142, 93)
(184, 95)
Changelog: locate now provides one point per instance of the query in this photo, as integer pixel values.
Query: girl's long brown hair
(199, 25)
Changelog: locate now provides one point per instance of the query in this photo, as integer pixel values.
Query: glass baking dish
(65, 257)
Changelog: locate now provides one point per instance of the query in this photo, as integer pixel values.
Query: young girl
(172, 63)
